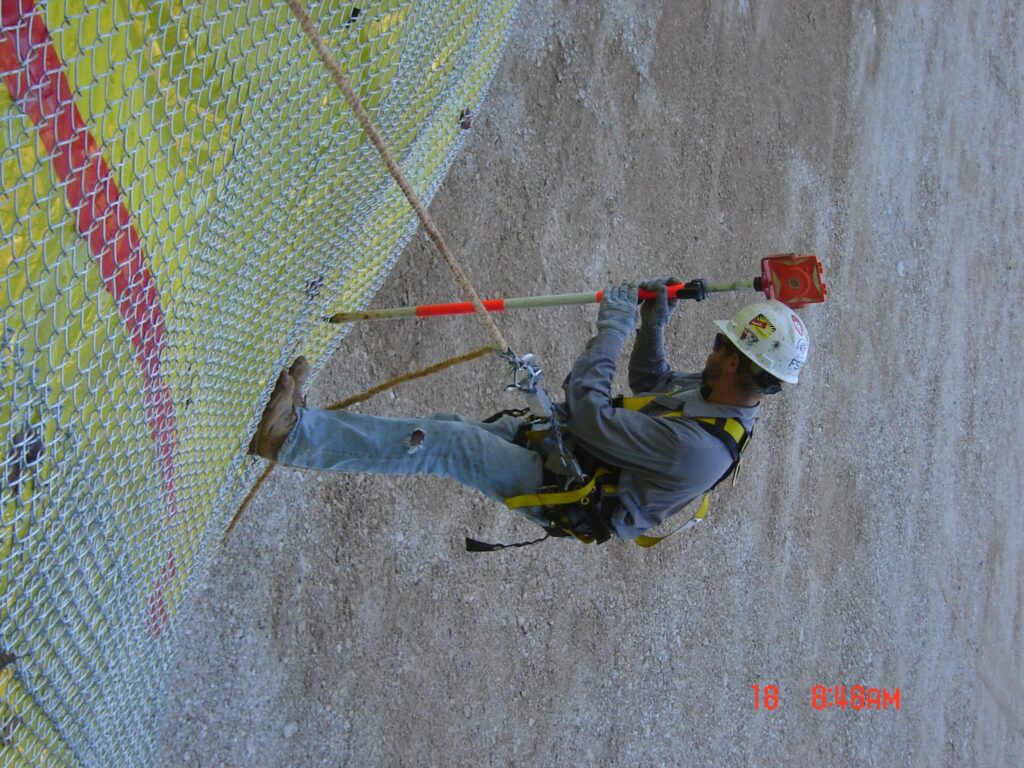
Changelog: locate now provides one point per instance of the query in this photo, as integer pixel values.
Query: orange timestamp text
(855, 697)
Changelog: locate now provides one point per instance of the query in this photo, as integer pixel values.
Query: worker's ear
(732, 363)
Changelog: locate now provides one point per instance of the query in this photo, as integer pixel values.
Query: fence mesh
(185, 195)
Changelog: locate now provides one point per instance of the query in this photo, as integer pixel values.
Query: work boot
(278, 418)
(299, 373)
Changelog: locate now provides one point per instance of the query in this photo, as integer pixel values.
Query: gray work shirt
(665, 463)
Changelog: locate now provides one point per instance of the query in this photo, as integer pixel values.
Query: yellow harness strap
(698, 516)
(735, 430)
(558, 498)
(636, 403)
(732, 426)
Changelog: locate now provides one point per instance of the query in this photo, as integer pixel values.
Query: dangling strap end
(472, 545)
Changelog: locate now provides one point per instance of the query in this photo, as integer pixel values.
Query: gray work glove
(654, 313)
(618, 310)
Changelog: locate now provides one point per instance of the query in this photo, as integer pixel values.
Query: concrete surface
(875, 535)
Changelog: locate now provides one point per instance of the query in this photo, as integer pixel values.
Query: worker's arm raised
(647, 363)
(627, 439)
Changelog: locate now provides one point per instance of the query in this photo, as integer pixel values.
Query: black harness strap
(473, 545)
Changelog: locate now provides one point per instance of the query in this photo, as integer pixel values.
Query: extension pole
(527, 302)
(795, 280)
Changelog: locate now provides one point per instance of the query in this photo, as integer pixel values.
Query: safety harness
(583, 510)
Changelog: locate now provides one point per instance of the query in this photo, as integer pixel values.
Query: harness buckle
(526, 376)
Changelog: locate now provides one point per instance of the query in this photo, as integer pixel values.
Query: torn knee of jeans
(415, 441)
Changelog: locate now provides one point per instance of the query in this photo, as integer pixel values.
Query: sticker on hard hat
(748, 339)
(801, 346)
(799, 325)
(763, 326)
(795, 364)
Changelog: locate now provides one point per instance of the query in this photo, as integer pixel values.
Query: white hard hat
(772, 336)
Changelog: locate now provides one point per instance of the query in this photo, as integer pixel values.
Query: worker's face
(721, 362)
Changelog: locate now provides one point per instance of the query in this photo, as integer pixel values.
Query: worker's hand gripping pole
(792, 279)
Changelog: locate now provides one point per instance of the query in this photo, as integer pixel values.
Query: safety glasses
(721, 340)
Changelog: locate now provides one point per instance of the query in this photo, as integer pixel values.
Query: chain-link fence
(185, 197)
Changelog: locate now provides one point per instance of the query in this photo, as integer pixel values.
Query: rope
(452, 361)
(238, 515)
(371, 130)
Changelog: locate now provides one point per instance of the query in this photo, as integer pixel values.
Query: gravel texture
(875, 535)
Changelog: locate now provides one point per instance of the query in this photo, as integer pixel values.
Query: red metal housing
(793, 279)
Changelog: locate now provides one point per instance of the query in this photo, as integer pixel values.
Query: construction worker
(655, 453)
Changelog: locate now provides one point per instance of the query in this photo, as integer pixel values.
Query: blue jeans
(478, 455)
